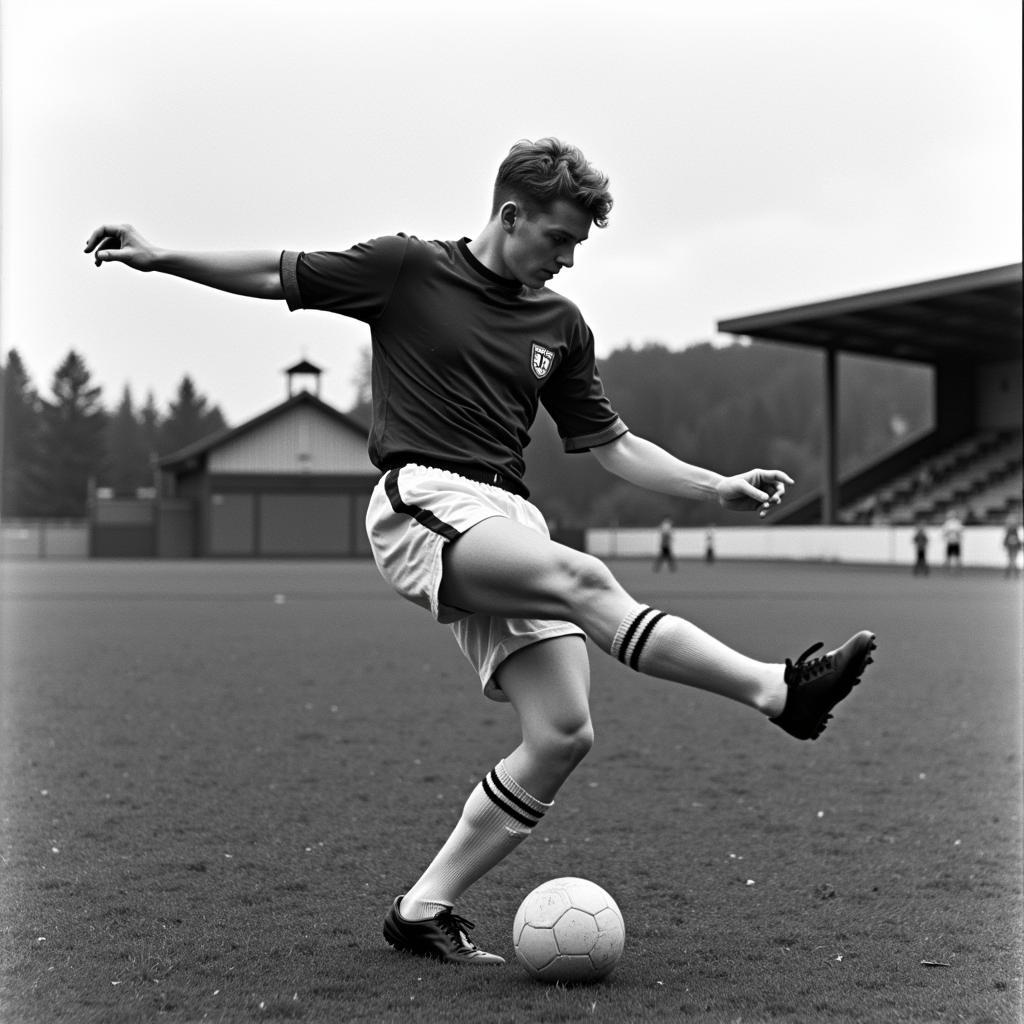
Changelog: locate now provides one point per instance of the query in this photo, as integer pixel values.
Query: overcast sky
(762, 153)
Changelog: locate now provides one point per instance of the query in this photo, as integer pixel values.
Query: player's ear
(508, 214)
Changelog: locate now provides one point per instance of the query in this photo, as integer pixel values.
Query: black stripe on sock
(634, 661)
(509, 795)
(421, 515)
(507, 808)
(624, 646)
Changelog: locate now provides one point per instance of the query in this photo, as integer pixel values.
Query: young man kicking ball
(468, 340)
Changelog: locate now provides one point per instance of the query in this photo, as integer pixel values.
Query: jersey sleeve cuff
(290, 279)
(587, 441)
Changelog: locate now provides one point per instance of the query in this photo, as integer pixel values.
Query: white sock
(497, 817)
(669, 647)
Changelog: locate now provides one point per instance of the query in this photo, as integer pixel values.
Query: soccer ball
(568, 930)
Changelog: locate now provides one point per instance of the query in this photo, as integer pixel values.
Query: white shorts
(413, 513)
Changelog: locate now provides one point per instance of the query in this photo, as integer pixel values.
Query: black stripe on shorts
(422, 516)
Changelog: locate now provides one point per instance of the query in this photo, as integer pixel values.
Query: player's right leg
(548, 684)
(500, 567)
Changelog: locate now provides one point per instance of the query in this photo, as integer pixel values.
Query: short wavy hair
(544, 171)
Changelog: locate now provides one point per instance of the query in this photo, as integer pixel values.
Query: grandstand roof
(971, 315)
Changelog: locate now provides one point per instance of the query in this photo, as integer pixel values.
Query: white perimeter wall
(878, 545)
(42, 538)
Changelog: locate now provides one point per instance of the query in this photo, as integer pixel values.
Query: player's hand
(120, 243)
(759, 489)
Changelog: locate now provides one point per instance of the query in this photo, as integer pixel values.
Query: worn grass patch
(211, 794)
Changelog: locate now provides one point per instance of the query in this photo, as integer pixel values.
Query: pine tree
(149, 427)
(20, 431)
(189, 419)
(362, 407)
(73, 445)
(128, 465)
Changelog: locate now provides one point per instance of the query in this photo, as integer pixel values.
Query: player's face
(541, 243)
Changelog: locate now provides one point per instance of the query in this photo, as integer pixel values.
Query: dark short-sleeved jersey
(461, 356)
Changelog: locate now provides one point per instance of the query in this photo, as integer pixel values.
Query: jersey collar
(508, 283)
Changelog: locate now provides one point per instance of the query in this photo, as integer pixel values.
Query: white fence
(878, 545)
(44, 538)
(982, 546)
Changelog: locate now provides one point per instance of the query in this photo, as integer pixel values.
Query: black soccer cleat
(441, 937)
(815, 687)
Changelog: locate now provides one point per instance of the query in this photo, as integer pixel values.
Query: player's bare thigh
(502, 568)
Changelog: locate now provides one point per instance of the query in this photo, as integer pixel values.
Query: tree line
(58, 447)
(729, 408)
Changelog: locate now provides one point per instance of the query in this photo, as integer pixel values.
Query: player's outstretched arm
(647, 465)
(254, 274)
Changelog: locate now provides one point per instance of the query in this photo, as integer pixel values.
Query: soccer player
(1012, 544)
(665, 552)
(467, 340)
(952, 534)
(920, 542)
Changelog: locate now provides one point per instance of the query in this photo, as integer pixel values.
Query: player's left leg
(500, 567)
(548, 683)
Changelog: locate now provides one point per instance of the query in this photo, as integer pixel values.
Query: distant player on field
(920, 541)
(468, 340)
(953, 534)
(1012, 544)
(665, 552)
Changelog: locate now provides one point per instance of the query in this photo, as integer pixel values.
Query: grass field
(216, 777)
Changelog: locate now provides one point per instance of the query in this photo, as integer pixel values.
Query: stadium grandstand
(968, 329)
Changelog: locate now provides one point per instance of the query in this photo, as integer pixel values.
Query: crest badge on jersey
(541, 360)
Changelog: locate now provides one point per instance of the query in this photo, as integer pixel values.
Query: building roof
(974, 315)
(304, 366)
(202, 448)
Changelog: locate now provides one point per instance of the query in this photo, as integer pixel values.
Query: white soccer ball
(568, 930)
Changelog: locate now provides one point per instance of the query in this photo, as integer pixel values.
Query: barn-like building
(293, 482)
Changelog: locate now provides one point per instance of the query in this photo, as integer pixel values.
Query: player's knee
(567, 742)
(579, 741)
(583, 578)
